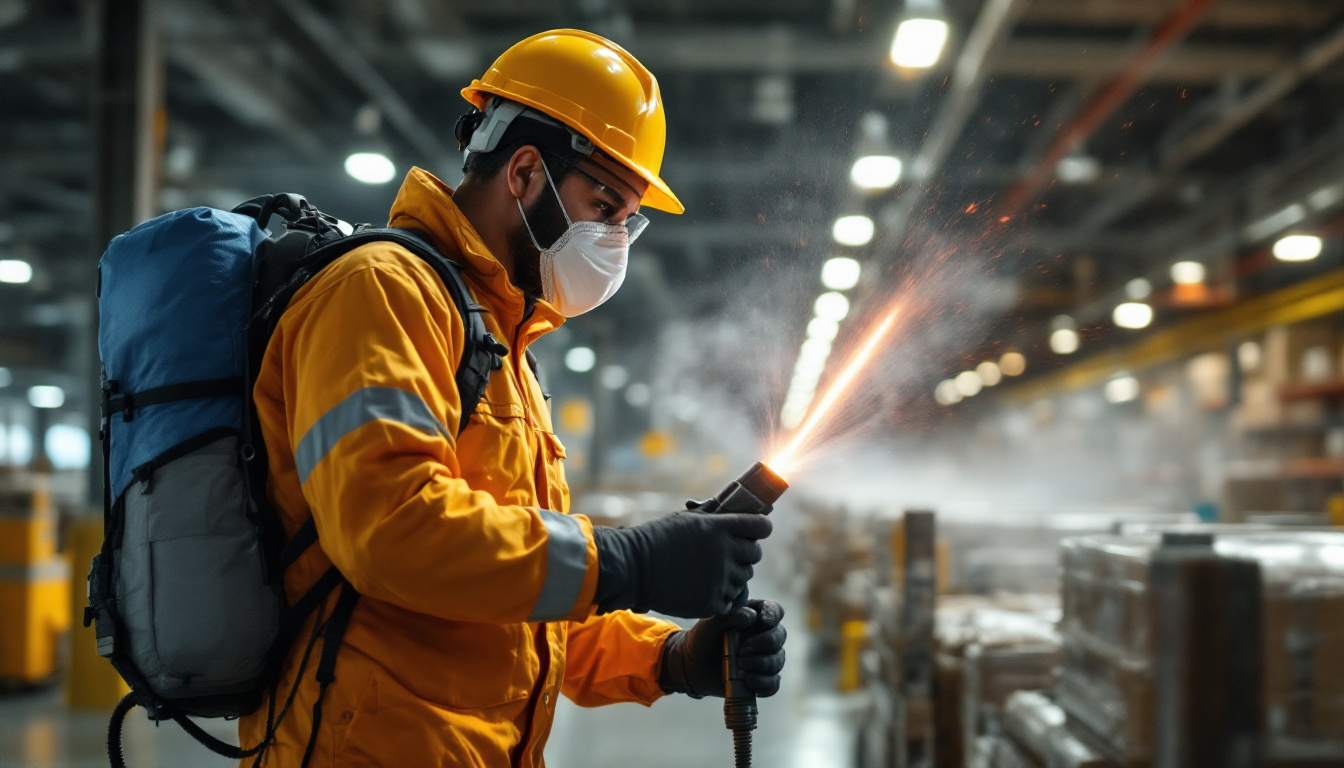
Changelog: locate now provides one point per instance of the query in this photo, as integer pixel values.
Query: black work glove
(693, 660)
(686, 564)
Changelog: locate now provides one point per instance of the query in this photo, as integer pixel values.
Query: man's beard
(548, 224)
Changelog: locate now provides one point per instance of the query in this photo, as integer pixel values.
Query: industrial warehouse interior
(1022, 320)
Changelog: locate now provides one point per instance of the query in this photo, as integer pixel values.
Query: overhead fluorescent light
(840, 273)
(853, 230)
(876, 172)
(1294, 248)
(918, 43)
(1133, 315)
(1188, 273)
(370, 167)
(831, 306)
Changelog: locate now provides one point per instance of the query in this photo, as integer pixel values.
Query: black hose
(114, 754)
(742, 749)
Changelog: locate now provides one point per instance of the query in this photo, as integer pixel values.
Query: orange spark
(785, 460)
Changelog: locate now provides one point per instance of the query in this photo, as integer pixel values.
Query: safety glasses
(635, 223)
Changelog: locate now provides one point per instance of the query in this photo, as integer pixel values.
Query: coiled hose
(114, 753)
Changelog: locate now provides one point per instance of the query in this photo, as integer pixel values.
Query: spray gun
(754, 493)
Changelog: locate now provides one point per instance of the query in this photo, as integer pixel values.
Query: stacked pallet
(1113, 647)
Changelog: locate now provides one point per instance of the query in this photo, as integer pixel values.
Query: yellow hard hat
(595, 87)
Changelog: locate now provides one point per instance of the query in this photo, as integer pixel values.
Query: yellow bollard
(853, 636)
(91, 682)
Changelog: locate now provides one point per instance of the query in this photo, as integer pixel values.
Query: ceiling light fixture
(853, 230)
(876, 172)
(1133, 315)
(370, 167)
(840, 273)
(1289, 248)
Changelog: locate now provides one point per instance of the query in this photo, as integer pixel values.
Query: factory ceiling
(1235, 118)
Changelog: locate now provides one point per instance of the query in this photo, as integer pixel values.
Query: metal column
(915, 710)
(129, 125)
(1208, 665)
(128, 137)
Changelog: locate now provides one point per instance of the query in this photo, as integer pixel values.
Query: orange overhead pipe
(1169, 33)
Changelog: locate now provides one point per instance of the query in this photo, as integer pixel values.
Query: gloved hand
(686, 564)
(693, 660)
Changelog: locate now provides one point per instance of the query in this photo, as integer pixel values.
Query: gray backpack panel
(190, 580)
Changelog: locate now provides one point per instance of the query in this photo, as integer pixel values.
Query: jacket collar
(426, 204)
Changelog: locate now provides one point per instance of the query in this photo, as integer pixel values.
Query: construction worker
(482, 600)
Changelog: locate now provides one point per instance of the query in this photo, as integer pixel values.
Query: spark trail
(785, 460)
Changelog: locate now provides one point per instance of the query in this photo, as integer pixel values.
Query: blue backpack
(187, 592)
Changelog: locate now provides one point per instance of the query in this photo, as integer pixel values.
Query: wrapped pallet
(987, 648)
(1107, 680)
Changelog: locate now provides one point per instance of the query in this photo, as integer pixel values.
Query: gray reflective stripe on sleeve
(566, 565)
(359, 408)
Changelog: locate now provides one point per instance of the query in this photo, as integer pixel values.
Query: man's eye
(604, 208)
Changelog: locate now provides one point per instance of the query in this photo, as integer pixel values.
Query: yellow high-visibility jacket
(477, 585)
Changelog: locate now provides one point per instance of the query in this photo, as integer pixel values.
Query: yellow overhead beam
(1317, 297)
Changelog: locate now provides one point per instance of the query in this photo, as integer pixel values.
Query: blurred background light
(370, 167)
(638, 395)
(876, 172)
(823, 328)
(853, 230)
(918, 43)
(989, 372)
(1013, 364)
(15, 271)
(1138, 289)
(614, 376)
(1133, 315)
(946, 393)
(45, 396)
(1064, 341)
(968, 383)
(1122, 389)
(840, 273)
(831, 306)
(1187, 273)
(67, 446)
(1297, 248)
(1078, 169)
(580, 359)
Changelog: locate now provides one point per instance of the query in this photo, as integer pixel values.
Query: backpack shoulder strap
(482, 353)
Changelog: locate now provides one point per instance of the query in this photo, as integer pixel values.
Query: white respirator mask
(586, 265)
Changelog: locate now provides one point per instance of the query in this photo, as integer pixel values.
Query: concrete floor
(805, 726)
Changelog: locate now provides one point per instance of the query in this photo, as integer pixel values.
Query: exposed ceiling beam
(1248, 14)
(1284, 81)
(1233, 117)
(1136, 72)
(991, 27)
(1091, 59)
(756, 49)
(252, 95)
(395, 110)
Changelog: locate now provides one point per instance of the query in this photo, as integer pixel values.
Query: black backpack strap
(482, 353)
(332, 636)
(125, 403)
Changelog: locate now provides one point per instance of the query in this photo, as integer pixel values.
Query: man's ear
(523, 171)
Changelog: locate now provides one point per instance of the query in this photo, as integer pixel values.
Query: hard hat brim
(658, 196)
